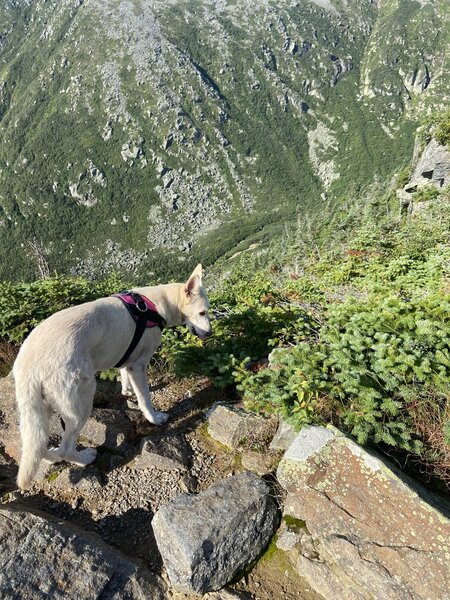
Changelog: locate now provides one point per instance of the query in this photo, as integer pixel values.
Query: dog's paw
(127, 392)
(53, 455)
(159, 418)
(84, 457)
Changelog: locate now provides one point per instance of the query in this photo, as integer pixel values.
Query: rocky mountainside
(142, 135)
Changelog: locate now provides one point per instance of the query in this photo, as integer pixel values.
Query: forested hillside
(142, 136)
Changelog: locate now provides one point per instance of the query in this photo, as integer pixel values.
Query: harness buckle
(140, 305)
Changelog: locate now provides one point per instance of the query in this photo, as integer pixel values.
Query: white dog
(55, 368)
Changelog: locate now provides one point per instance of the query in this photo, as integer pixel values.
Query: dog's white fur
(55, 368)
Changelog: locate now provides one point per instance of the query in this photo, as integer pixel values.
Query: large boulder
(43, 559)
(366, 532)
(433, 167)
(206, 539)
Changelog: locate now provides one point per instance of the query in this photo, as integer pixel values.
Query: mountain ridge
(143, 137)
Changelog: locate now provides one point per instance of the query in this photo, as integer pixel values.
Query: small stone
(288, 540)
(234, 427)
(258, 463)
(84, 479)
(167, 453)
(284, 436)
(110, 428)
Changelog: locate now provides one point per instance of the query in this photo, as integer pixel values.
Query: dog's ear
(194, 282)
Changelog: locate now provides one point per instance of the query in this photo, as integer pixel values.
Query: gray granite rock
(206, 539)
(109, 427)
(234, 427)
(167, 453)
(433, 167)
(43, 559)
(370, 531)
(257, 462)
(284, 436)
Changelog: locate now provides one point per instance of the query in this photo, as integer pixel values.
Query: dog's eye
(203, 313)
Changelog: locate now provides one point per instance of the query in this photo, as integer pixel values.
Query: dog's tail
(34, 426)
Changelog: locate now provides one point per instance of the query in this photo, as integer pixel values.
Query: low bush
(442, 133)
(23, 306)
(372, 359)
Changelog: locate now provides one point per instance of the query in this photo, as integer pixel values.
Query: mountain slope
(141, 135)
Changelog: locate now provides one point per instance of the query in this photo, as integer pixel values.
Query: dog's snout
(208, 333)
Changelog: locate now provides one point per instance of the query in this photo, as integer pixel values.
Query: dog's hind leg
(75, 411)
(138, 378)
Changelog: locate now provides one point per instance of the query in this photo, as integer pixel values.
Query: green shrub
(426, 194)
(360, 336)
(442, 133)
(24, 305)
(249, 322)
(371, 357)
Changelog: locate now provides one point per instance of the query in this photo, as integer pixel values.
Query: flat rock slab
(83, 479)
(375, 534)
(233, 427)
(167, 453)
(206, 539)
(109, 427)
(43, 559)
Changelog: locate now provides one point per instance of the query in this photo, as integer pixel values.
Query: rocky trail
(139, 469)
(218, 502)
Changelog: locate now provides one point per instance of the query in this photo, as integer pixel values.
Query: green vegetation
(360, 339)
(426, 193)
(23, 306)
(228, 104)
(442, 133)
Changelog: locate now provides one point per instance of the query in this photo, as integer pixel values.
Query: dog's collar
(144, 313)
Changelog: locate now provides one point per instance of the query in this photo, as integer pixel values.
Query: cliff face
(135, 132)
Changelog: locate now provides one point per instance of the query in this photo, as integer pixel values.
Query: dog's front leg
(127, 390)
(138, 378)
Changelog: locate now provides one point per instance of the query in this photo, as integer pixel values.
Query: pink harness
(143, 304)
(144, 313)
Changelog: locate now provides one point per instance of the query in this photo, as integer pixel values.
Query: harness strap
(144, 313)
